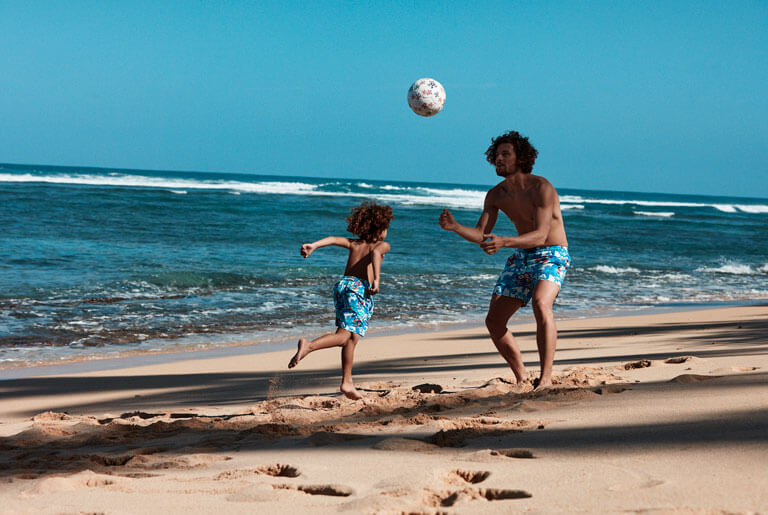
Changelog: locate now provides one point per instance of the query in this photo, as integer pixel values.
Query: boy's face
(383, 234)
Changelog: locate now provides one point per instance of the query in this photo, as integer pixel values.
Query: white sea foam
(752, 208)
(664, 214)
(675, 277)
(450, 197)
(179, 192)
(615, 270)
(406, 195)
(729, 268)
(725, 208)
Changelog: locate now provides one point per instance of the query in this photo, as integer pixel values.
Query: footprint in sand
(643, 363)
(276, 470)
(427, 388)
(435, 498)
(331, 490)
(678, 359)
(513, 453)
(468, 476)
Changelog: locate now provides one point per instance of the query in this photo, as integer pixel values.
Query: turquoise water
(95, 261)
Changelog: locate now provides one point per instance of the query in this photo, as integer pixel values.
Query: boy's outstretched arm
(376, 256)
(309, 248)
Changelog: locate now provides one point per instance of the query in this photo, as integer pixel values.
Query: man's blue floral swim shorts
(526, 267)
(353, 304)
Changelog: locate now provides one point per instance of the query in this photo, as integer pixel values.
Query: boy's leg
(544, 295)
(305, 346)
(499, 312)
(347, 358)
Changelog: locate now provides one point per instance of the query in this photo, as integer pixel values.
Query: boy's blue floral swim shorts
(354, 306)
(526, 267)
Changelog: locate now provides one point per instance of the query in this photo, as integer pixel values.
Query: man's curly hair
(368, 220)
(524, 151)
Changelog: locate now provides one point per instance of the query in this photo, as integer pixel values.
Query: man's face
(506, 160)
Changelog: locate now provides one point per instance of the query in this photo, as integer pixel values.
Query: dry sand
(663, 413)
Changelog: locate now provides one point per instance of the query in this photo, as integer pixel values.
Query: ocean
(100, 262)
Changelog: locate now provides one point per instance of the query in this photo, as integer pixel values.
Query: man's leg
(347, 358)
(499, 312)
(544, 295)
(305, 346)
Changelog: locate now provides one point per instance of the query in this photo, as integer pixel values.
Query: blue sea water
(99, 261)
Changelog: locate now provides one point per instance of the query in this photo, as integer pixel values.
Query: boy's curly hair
(524, 151)
(368, 220)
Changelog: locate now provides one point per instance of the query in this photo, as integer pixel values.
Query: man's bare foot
(302, 351)
(350, 391)
(539, 385)
(522, 378)
(521, 374)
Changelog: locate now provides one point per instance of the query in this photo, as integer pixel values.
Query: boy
(352, 295)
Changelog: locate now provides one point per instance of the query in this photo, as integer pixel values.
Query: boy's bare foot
(300, 353)
(350, 391)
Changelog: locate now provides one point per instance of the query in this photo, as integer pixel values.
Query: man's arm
(484, 225)
(308, 248)
(377, 255)
(544, 204)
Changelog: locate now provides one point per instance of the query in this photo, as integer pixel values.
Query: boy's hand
(307, 249)
(493, 245)
(374, 289)
(447, 221)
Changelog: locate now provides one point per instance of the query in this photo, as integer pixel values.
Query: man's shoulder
(539, 180)
(496, 190)
(541, 185)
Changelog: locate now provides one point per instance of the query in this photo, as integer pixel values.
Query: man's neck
(516, 180)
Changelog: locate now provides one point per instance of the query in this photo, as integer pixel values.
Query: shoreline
(118, 359)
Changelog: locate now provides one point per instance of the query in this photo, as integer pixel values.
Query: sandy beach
(657, 413)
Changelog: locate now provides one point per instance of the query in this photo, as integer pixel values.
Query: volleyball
(426, 97)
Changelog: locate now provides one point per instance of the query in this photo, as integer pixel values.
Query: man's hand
(374, 289)
(307, 249)
(447, 221)
(493, 244)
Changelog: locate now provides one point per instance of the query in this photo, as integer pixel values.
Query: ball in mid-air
(426, 97)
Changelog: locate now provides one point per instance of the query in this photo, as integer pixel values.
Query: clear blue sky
(617, 95)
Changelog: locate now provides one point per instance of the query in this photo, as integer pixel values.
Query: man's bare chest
(517, 205)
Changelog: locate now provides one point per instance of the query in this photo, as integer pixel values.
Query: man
(536, 270)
